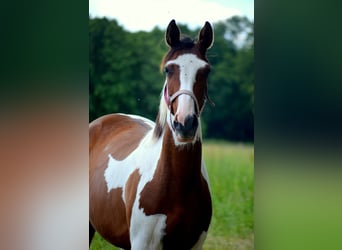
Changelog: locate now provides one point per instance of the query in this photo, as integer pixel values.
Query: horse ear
(172, 34)
(205, 37)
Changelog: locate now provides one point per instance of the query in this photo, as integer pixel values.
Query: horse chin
(184, 139)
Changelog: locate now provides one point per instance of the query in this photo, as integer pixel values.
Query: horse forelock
(185, 45)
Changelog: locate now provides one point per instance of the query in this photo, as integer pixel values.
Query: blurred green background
(125, 77)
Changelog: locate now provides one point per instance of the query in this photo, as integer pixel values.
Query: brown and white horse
(149, 187)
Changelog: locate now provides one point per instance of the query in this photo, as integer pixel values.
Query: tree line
(125, 76)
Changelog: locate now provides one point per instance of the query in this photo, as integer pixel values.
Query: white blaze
(188, 65)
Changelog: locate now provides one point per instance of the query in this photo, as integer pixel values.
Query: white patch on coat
(144, 158)
(146, 232)
(205, 174)
(163, 109)
(138, 117)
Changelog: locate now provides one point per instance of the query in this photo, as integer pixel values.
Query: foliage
(124, 74)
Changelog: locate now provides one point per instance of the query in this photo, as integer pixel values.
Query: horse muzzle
(187, 131)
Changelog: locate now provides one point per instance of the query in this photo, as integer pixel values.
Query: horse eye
(166, 70)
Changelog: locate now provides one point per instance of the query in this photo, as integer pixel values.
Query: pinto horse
(149, 187)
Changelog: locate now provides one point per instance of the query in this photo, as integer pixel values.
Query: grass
(231, 172)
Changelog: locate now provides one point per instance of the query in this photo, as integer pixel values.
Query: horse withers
(149, 187)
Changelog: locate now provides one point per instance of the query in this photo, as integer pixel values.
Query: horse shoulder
(112, 139)
(118, 134)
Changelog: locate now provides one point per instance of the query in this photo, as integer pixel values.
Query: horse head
(185, 90)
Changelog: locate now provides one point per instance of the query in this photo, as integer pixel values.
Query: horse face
(187, 85)
(185, 92)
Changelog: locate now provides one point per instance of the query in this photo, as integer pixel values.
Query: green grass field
(231, 172)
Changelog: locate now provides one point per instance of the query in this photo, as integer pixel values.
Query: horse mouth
(186, 139)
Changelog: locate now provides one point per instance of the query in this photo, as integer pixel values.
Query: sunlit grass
(231, 172)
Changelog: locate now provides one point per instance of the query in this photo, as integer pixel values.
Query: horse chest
(187, 212)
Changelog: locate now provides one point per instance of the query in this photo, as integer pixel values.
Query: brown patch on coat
(173, 84)
(131, 192)
(117, 135)
(179, 191)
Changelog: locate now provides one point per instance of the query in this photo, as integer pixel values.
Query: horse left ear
(205, 37)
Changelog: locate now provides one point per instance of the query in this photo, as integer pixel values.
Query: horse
(148, 184)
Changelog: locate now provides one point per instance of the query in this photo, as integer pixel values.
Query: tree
(231, 84)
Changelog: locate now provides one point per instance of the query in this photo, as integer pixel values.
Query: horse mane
(185, 43)
(161, 118)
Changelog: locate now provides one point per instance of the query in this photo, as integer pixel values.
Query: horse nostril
(190, 123)
(177, 125)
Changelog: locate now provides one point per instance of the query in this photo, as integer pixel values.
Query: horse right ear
(172, 35)
(206, 37)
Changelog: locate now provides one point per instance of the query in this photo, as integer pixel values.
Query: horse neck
(181, 162)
